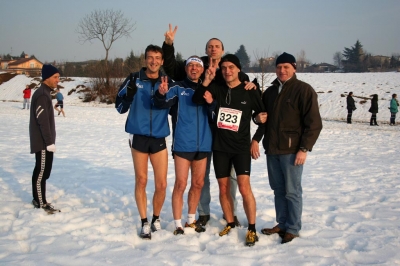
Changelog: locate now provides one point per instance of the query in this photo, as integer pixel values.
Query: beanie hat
(286, 58)
(48, 71)
(231, 58)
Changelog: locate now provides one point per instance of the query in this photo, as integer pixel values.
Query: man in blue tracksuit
(192, 140)
(148, 127)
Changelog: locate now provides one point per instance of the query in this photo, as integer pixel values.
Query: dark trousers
(44, 163)
(349, 114)
(392, 118)
(373, 119)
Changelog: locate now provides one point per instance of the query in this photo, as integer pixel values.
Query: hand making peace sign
(170, 35)
(163, 88)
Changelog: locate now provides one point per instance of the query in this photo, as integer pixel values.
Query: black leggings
(44, 162)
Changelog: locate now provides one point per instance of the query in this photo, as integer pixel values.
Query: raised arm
(173, 68)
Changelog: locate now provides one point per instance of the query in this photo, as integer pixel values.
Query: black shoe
(50, 209)
(35, 204)
(203, 219)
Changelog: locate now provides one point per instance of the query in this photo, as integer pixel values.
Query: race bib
(229, 119)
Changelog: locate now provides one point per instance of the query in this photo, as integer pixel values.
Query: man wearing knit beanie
(42, 133)
(292, 129)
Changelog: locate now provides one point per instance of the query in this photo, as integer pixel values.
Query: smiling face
(154, 61)
(230, 72)
(194, 71)
(285, 71)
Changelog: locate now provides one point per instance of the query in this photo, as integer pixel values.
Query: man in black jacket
(351, 106)
(291, 130)
(42, 132)
(176, 70)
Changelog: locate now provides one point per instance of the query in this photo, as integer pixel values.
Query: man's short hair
(222, 44)
(153, 48)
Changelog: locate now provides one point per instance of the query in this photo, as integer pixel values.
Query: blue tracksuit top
(192, 131)
(144, 118)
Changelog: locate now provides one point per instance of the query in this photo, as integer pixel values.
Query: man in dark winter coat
(373, 110)
(291, 130)
(42, 132)
(351, 106)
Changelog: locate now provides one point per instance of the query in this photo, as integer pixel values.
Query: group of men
(212, 103)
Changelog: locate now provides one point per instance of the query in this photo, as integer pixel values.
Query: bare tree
(302, 61)
(337, 59)
(106, 26)
(264, 63)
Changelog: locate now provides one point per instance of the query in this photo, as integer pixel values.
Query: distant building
(321, 68)
(29, 66)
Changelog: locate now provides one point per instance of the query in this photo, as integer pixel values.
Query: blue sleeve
(122, 103)
(167, 100)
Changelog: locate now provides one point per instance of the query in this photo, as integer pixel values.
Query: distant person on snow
(374, 110)
(60, 102)
(394, 108)
(27, 96)
(351, 106)
(42, 133)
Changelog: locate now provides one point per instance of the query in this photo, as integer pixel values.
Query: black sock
(144, 221)
(232, 225)
(154, 218)
(252, 227)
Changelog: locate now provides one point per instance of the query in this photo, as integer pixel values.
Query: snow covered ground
(351, 185)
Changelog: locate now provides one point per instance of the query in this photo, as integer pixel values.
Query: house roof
(21, 61)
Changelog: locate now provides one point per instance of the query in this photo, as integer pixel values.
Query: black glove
(131, 89)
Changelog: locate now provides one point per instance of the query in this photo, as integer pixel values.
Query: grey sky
(46, 28)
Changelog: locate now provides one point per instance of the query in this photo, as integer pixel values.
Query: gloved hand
(51, 148)
(131, 89)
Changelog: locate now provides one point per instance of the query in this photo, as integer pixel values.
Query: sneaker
(50, 208)
(251, 238)
(59, 112)
(156, 226)
(288, 237)
(146, 232)
(235, 219)
(225, 231)
(179, 231)
(35, 204)
(274, 230)
(196, 226)
(203, 219)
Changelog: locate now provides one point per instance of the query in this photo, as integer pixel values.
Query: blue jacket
(143, 118)
(192, 131)
(59, 97)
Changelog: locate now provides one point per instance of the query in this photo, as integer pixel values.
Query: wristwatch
(303, 149)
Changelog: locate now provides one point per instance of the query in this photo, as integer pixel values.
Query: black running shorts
(147, 144)
(60, 104)
(223, 162)
(191, 156)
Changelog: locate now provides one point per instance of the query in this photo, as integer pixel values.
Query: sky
(351, 182)
(47, 29)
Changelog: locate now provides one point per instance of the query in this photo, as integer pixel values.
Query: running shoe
(156, 226)
(146, 231)
(225, 231)
(251, 238)
(196, 226)
(179, 231)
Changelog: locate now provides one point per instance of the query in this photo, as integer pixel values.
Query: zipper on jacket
(151, 111)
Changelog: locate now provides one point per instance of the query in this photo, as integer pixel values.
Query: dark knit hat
(48, 71)
(231, 58)
(286, 58)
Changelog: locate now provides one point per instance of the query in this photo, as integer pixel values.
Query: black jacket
(293, 119)
(42, 129)
(176, 70)
(374, 106)
(350, 103)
